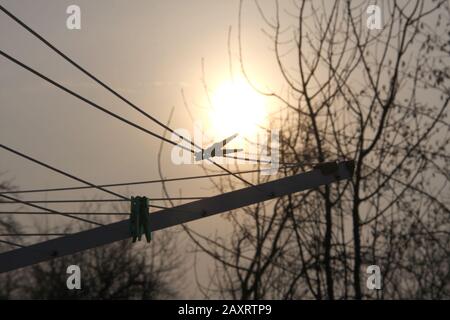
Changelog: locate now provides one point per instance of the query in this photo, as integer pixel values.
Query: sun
(236, 108)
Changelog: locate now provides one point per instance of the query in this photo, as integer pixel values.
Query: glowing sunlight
(237, 108)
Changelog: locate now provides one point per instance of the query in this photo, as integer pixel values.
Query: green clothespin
(139, 219)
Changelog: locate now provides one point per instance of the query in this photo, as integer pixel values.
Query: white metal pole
(165, 218)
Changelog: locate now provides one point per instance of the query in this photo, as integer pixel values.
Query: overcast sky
(149, 51)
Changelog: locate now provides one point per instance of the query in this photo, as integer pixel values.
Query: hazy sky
(148, 51)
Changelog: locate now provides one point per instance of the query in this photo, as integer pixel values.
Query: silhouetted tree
(122, 270)
(7, 225)
(379, 97)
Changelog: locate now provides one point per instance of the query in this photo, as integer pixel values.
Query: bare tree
(122, 270)
(379, 97)
(7, 225)
(117, 271)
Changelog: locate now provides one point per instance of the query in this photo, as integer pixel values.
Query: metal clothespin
(216, 149)
(139, 219)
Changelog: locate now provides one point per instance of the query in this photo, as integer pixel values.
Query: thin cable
(132, 183)
(234, 175)
(102, 200)
(71, 213)
(99, 200)
(244, 158)
(91, 103)
(144, 181)
(95, 105)
(32, 234)
(98, 81)
(61, 172)
(49, 210)
(259, 160)
(90, 75)
(67, 201)
(46, 42)
(86, 213)
(12, 244)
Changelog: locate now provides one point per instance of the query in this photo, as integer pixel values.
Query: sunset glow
(236, 108)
